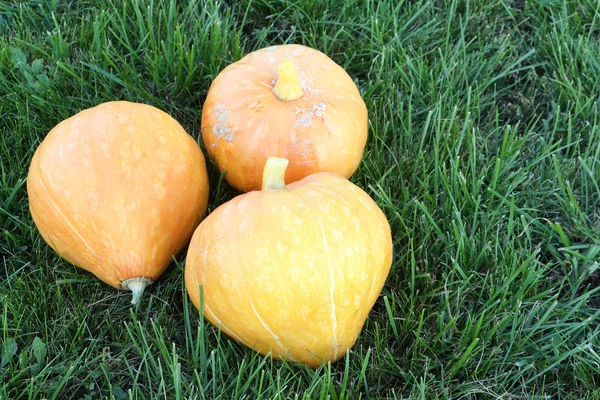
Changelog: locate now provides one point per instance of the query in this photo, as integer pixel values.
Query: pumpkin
(286, 101)
(293, 270)
(118, 190)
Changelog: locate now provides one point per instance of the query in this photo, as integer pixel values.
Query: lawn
(483, 152)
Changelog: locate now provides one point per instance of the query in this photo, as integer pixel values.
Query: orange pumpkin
(117, 190)
(292, 271)
(286, 101)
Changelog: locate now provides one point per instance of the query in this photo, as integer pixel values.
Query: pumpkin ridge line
(373, 252)
(224, 327)
(263, 323)
(331, 293)
(64, 217)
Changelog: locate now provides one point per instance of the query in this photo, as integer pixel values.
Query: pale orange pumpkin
(294, 270)
(118, 190)
(287, 101)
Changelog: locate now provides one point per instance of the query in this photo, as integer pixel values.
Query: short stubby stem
(288, 87)
(137, 286)
(274, 174)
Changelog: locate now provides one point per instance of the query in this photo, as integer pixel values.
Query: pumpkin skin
(117, 190)
(294, 271)
(244, 121)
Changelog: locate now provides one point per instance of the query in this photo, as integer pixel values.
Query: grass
(484, 153)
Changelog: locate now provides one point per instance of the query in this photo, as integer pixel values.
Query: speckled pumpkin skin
(117, 190)
(293, 271)
(244, 123)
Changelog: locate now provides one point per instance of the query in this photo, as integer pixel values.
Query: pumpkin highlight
(292, 271)
(118, 190)
(286, 101)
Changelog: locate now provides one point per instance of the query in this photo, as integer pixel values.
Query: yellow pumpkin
(117, 190)
(294, 271)
(286, 101)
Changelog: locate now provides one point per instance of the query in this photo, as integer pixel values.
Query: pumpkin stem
(274, 174)
(288, 86)
(137, 286)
